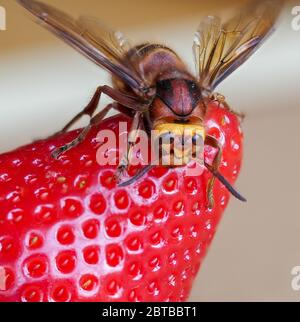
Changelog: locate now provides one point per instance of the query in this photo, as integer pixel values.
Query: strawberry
(69, 233)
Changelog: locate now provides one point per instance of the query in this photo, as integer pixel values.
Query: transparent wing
(219, 49)
(113, 44)
(106, 48)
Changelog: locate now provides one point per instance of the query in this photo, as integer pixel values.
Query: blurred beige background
(43, 83)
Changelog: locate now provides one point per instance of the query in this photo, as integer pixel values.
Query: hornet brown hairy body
(153, 86)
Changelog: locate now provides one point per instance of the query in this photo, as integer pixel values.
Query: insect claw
(137, 176)
(58, 152)
(118, 174)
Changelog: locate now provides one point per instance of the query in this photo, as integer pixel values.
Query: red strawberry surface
(68, 233)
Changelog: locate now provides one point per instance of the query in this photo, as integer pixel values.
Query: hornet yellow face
(180, 142)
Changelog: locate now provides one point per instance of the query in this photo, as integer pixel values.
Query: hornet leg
(214, 169)
(123, 99)
(132, 137)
